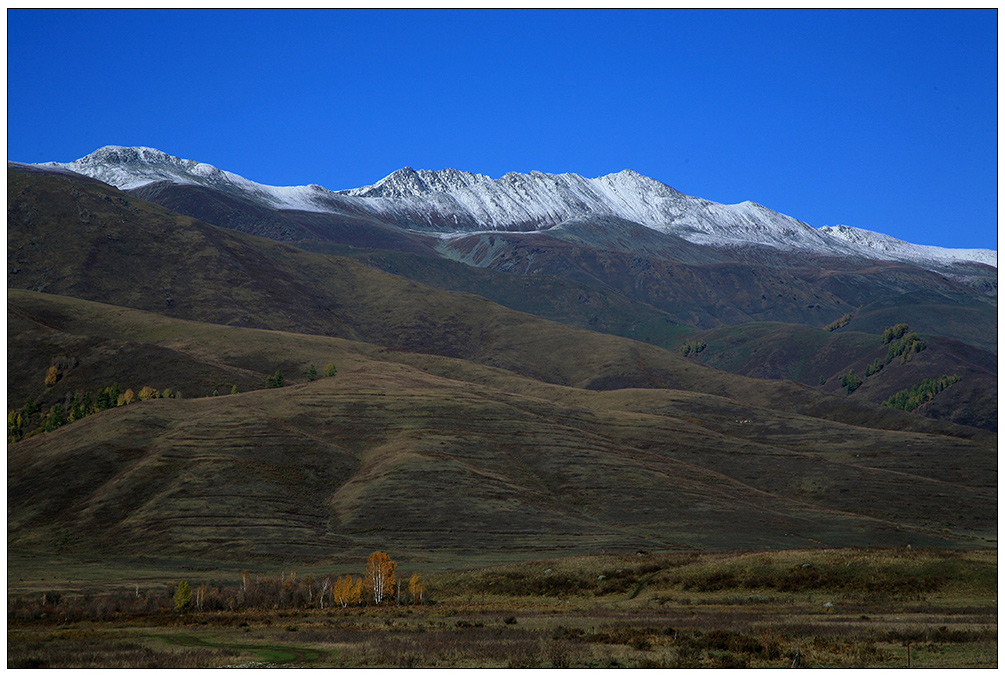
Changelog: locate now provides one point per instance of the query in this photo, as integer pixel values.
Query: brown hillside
(426, 454)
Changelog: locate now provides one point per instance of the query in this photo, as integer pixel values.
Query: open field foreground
(811, 608)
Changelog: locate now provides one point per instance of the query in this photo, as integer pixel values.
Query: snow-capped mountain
(128, 168)
(449, 202)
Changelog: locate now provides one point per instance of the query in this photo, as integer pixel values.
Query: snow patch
(450, 203)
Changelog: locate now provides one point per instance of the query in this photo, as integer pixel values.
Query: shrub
(894, 332)
(838, 323)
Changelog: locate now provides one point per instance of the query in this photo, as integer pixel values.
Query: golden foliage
(347, 591)
(415, 588)
(378, 580)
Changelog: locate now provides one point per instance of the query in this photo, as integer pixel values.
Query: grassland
(428, 455)
(819, 608)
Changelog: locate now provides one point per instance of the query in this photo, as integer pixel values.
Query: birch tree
(378, 580)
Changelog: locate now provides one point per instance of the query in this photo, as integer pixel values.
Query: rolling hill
(430, 456)
(817, 357)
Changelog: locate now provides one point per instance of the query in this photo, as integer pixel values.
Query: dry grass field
(844, 608)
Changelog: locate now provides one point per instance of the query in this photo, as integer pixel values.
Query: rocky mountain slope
(451, 201)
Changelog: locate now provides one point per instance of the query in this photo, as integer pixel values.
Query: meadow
(811, 608)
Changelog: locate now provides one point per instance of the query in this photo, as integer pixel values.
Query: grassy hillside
(820, 358)
(759, 285)
(433, 457)
(454, 428)
(974, 319)
(550, 297)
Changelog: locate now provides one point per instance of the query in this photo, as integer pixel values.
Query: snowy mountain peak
(131, 167)
(450, 201)
(120, 154)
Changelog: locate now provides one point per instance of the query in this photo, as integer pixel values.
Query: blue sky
(885, 120)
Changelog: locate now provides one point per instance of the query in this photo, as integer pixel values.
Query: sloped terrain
(454, 426)
(636, 270)
(427, 454)
(816, 357)
(757, 284)
(453, 201)
(605, 273)
(239, 213)
(131, 253)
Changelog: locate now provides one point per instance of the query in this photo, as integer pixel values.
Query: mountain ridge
(448, 202)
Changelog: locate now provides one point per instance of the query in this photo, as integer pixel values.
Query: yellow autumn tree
(341, 590)
(356, 595)
(147, 393)
(347, 590)
(127, 397)
(415, 588)
(378, 580)
(51, 376)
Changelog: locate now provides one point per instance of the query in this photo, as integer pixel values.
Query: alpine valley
(468, 370)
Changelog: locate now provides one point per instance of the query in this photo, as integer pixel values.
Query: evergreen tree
(55, 419)
(851, 381)
(275, 380)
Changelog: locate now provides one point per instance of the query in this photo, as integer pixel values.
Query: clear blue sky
(885, 120)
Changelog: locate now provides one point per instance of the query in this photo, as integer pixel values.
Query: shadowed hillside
(634, 270)
(433, 454)
(817, 357)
